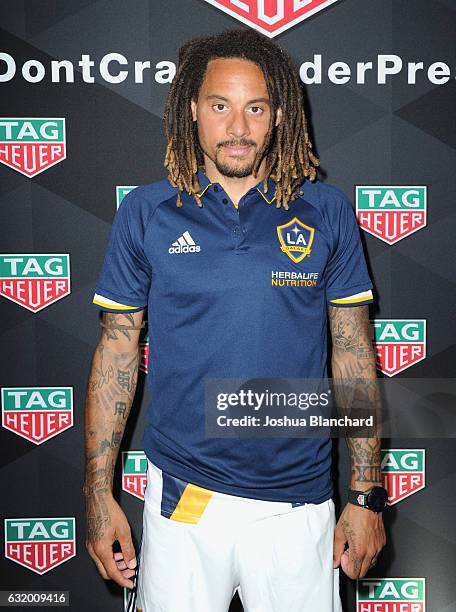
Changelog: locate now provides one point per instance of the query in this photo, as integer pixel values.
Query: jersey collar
(268, 195)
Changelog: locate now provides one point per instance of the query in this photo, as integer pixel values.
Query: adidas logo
(184, 244)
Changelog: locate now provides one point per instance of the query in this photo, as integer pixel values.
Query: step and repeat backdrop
(82, 91)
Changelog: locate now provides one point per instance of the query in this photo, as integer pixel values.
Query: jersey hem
(173, 468)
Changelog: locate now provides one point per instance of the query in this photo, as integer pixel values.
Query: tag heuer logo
(399, 343)
(295, 239)
(271, 17)
(122, 191)
(31, 146)
(37, 413)
(40, 544)
(403, 472)
(391, 595)
(134, 473)
(34, 281)
(391, 213)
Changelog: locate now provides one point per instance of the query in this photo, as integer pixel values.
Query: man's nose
(238, 126)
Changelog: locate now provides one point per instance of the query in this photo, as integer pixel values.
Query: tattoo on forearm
(98, 518)
(102, 376)
(356, 387)
(350, 332)
(123, 378)
(367, 473)
(98, 485)
(120, 408)
(110, 391)
(117, 323)
(365, 459)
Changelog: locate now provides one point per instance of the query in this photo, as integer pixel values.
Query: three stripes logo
(184, 244)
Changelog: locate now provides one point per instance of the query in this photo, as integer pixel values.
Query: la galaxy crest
(295, 239)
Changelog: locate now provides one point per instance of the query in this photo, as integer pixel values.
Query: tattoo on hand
(350, 535)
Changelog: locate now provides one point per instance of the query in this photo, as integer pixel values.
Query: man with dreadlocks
(239, 256)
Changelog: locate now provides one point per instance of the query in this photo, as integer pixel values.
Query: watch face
(377, 498)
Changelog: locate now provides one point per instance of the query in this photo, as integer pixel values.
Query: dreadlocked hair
(287, 147)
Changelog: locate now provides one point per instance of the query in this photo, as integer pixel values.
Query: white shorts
(199, 547)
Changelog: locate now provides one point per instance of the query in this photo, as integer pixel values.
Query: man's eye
(219, 107)
(256, 110)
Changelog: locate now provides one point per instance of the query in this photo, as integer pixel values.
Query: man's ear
(193, 105)
(278, 116)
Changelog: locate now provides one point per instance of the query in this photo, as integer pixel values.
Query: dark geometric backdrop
(397, 133)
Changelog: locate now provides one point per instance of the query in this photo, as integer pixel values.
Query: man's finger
(99, 565)
(128, 550)
(346, 564)
(118, 558)
(369, 561)
(351, 563)
(339, 545)
(107, 559)
(96, 560)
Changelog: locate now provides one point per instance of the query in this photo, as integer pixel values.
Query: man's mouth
(237, 150)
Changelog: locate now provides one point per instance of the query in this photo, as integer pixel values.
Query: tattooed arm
(354, 374)
(110, 392)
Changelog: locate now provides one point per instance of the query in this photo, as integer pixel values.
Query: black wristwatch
(374, 499)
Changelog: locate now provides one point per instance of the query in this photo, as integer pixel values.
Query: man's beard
(234, 171)
(239, 169)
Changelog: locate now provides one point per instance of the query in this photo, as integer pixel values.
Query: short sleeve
(124, 281)
(347, 279)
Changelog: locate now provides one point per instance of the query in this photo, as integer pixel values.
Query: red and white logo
(403, 472)
(271, 17)
(144, 356)
(399, 343)
(40, 544)
(37, 413)
(34, 281)
(31, 145)
(134, 473)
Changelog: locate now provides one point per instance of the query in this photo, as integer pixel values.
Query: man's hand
(107, 523)
(364, 532)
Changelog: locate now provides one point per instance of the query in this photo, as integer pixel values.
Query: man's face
(233, 113)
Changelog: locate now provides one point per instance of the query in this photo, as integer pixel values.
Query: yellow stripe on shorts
(191, 505)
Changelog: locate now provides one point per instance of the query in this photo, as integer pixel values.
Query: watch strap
(358, 498)
(370, 498)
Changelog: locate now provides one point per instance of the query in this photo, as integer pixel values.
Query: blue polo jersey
(233, 292)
